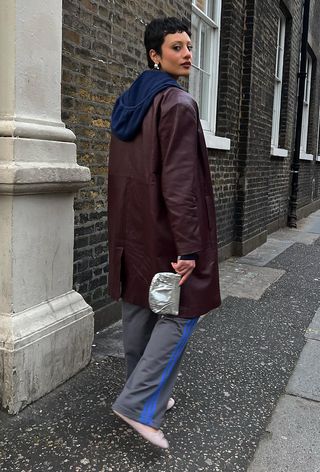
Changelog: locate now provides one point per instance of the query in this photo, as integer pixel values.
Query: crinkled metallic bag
(164, 293)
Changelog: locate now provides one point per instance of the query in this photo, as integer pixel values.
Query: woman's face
(176, 54)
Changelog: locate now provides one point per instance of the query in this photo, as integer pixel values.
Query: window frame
(306, 111)
(209, 126)
(278, 85)
(318, 139)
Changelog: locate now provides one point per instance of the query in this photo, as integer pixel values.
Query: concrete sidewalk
(247, 397)
(292, 439)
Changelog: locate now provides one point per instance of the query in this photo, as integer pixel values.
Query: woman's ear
(154, 56)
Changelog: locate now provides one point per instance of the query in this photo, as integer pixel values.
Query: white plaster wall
(7, 59)
(42, 247)
(38, 59)
(24, 150)
(5, 253)
(42, 151)
(48, 345)
(46, 328)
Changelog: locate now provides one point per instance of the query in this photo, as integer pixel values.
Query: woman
(161, 218)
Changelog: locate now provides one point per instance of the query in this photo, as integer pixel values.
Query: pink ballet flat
(154, 437)
(170, 403)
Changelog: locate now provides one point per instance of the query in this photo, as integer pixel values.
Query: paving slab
(305, 380)
(310, 224)
(292, 441)
(263, 254)
(313, 331)
(246, 281)
(295, 235)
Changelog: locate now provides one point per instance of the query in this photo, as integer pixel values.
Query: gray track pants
(153, 350)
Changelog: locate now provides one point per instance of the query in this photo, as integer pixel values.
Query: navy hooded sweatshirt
(132, 106)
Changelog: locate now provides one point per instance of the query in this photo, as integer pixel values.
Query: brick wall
(309, 180)
(263, 177)
(252, 186)
(309, 183)
(223, 163)
(102, 53)
(279, 180)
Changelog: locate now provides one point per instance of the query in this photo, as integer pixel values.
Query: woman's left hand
(184, 268)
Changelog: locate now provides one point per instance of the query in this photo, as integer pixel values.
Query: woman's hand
(184, 268)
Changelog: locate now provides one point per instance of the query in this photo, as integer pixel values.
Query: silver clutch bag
(164, 293)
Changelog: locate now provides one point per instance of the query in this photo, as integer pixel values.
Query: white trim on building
(275, 150)
(203, 84)
(306, 111)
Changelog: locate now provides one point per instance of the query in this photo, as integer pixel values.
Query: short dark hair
(156, 31)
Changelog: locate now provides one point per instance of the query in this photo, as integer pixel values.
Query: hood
(132, 106)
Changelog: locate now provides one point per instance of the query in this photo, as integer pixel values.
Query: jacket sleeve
(178, 141)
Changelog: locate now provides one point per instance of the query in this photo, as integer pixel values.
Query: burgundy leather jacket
(160, 206)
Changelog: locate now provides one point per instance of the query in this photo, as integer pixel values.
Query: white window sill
(306, 157)
(278, 152)
(318, 158)
(216, 142)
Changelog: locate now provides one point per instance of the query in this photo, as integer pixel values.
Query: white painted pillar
(46, 328)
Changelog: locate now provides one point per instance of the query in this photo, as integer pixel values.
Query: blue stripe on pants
(150, 406)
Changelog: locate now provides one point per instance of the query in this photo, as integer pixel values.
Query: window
(305, 113)
(318, 142)
(203, 82)
(278, 89)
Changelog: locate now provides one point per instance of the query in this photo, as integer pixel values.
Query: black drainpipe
(292, 214)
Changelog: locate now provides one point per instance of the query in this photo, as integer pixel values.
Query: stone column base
(42, 347)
